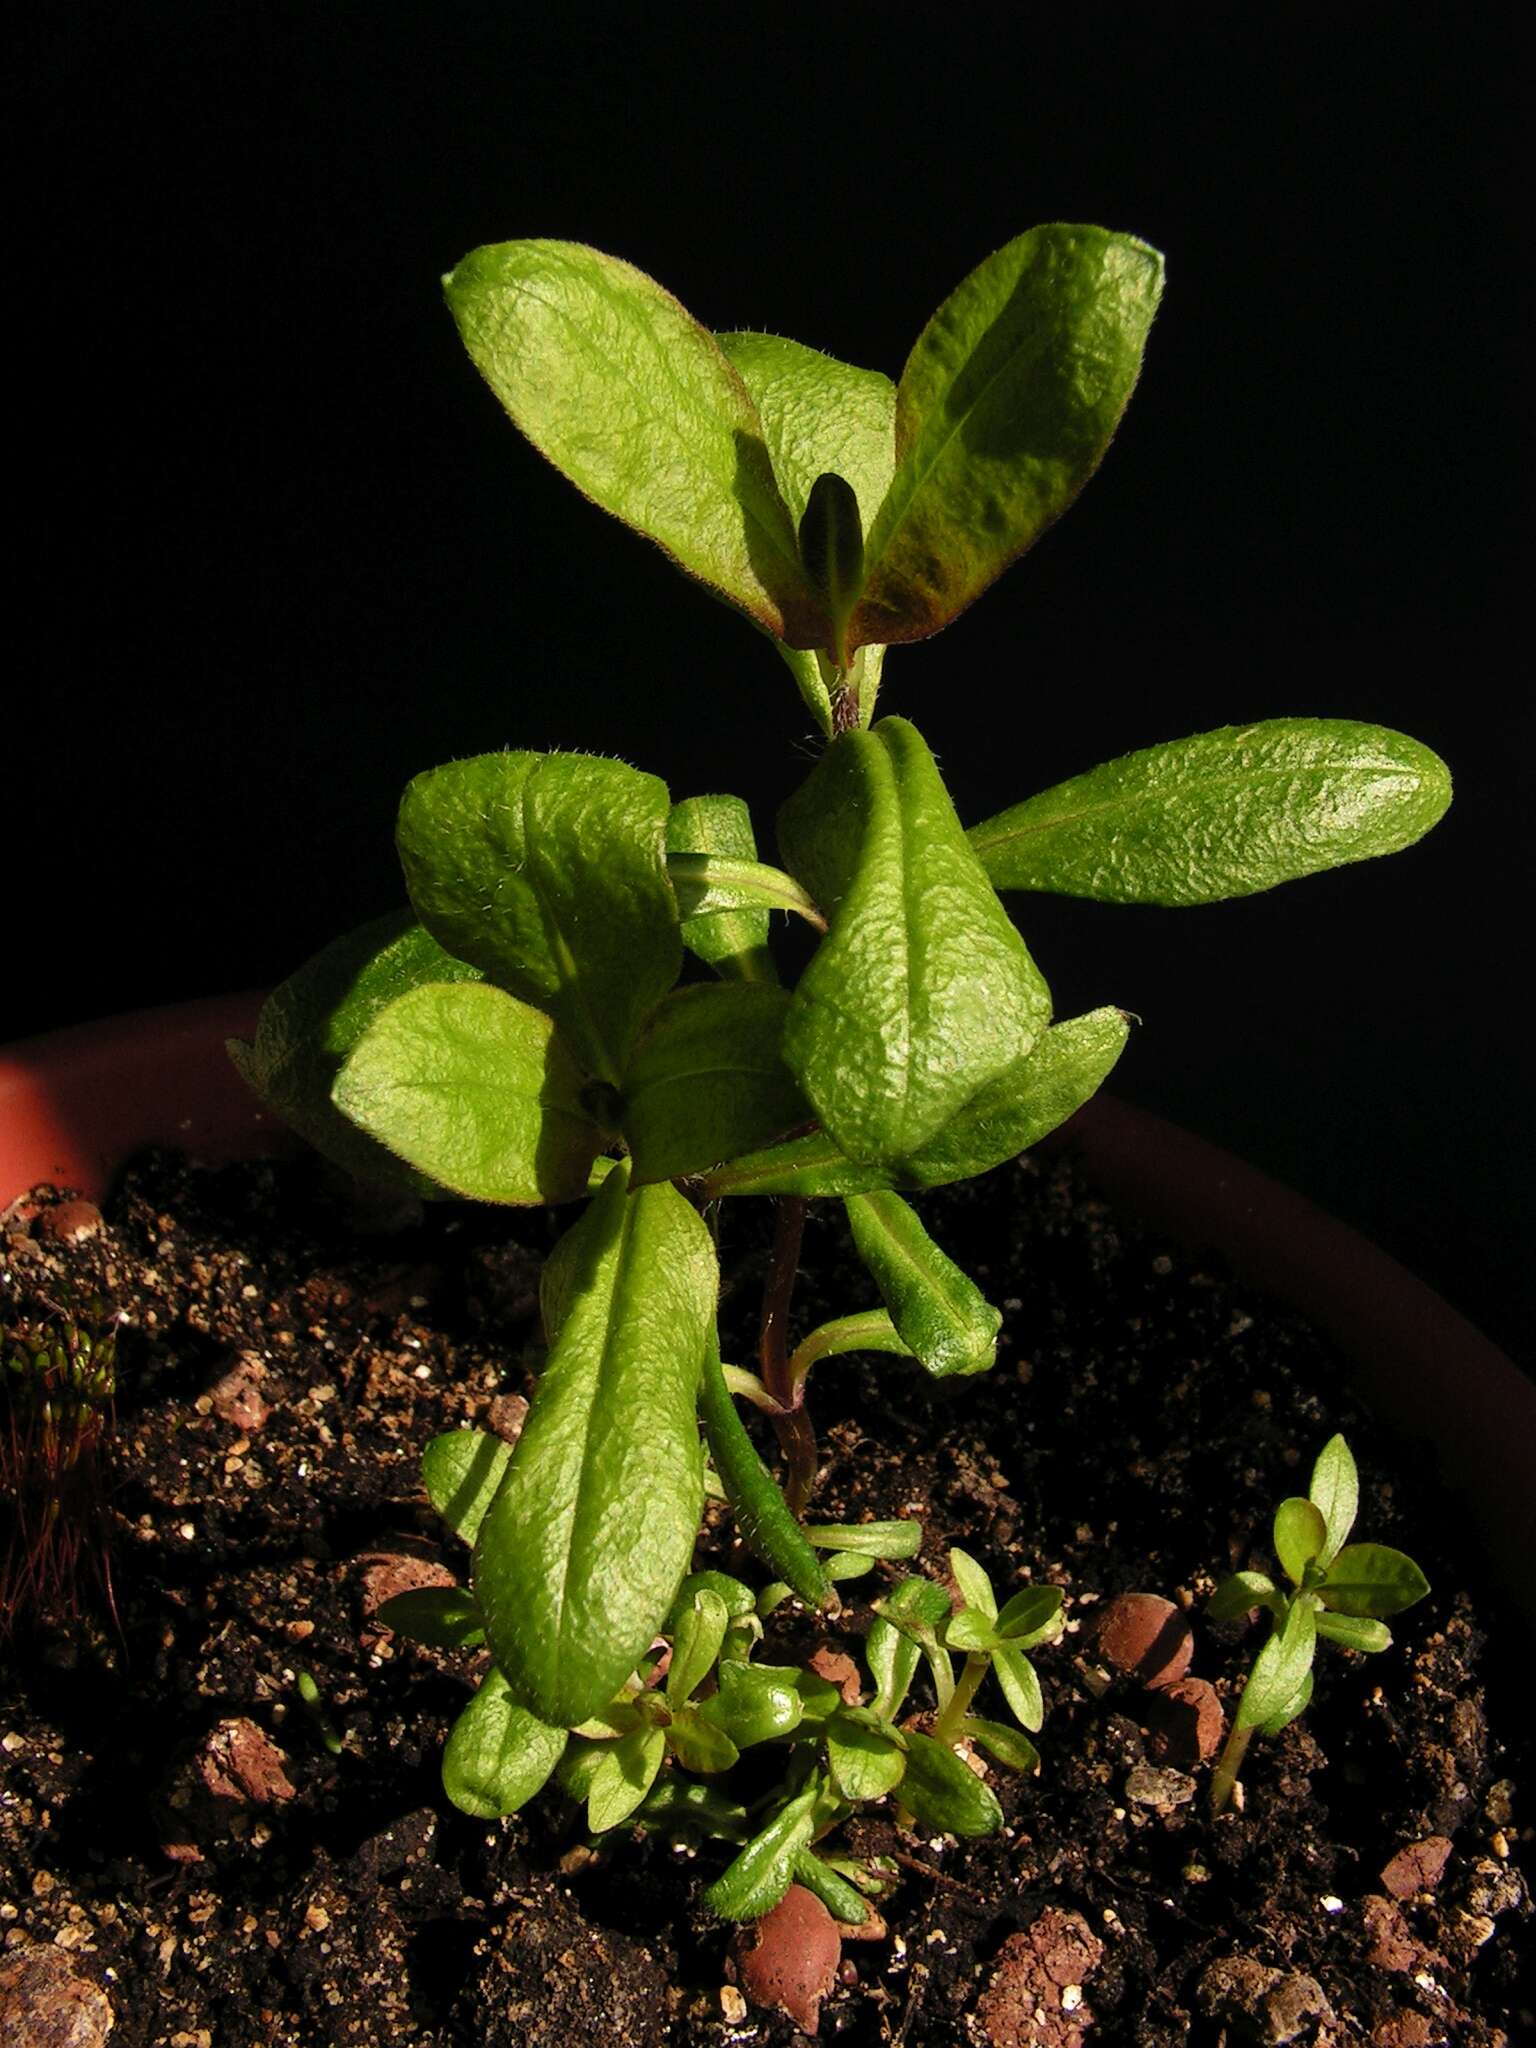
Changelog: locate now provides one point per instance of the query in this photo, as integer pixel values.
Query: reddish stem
(797, 1439)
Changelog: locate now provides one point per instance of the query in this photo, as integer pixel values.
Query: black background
(279, 550)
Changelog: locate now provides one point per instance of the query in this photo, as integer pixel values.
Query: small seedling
(523, 1034)
(1338, 1591)
(56, 1391)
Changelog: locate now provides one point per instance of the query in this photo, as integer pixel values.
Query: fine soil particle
(193, 1854)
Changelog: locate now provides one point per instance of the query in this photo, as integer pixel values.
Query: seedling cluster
(1339, 1592)
(523, 1033)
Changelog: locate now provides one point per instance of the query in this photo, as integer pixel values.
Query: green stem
(1228, 1764)
(947, 1727)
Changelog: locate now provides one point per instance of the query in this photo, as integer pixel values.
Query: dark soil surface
(183, 1860)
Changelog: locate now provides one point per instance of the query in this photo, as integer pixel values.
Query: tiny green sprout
(582, 1007)
(1338, 1591)
(314, 1706)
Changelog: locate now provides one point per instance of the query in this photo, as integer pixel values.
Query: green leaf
(755, 1703)
(1300, 1533)
(819, 414)
(904, 1630)
(624, 1775)
(943, 1793)
(969, 1630)
(939, 1312)
(708, 1079)
(636, 403)
(1021, 1685)
(1372, 1579)
(1240, 1594)
(584, 1546)
(498, 1754)
(870, 1330)
(755, 1881)
(733, 942)
(1355, 1632)
(1005, 408)
(1335, 1489)
(697, 1634)
(922, 992)
(849, 1564)
(1284, 1714)
(1032, 1616)
(461, 1471)
(839, 1897)
(476, 1090)
(1006, 1744)
(869, 1539)
(548, 872)
(975, 1587)
(709, 884)
(864, 1761)
(310, 1024)
(698, 1744)
(443, 1617)
(1028, 1101)
(1222, 814)
(1280, 1669)
(768, 1528)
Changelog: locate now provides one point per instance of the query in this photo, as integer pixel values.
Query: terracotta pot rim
(75, 1103)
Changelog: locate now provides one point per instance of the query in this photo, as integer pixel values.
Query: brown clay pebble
(44, 2004)
(237, 1398)
(1144, 1636)
(1417, 1867)
(1185, 1723)
(840, 1670)
(789, 1959)
(69, 1222)
(1035, 1995)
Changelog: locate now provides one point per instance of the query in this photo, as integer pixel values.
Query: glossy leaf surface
(1335, 1489)
(475, 1090)
(498, 1754)
(310, 1024)
(1280, 1669)
(760, 1875)
(1006, 1744)
(584, 1546)
(1372, 1579)
(1004, 410)
(624, 1774)
(636, 403)
(922, 992)
(939, 1312)
(733, 942)
(945, 1794)
(548, 872)
(864, 1760)
(1300, 1533)
(1020, 1684)
(1032, 1098)
(1223, 814)
(1355, 1631)
(708, 1079)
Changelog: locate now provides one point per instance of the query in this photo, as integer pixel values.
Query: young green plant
(1339, 1592)
(524, 1032)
